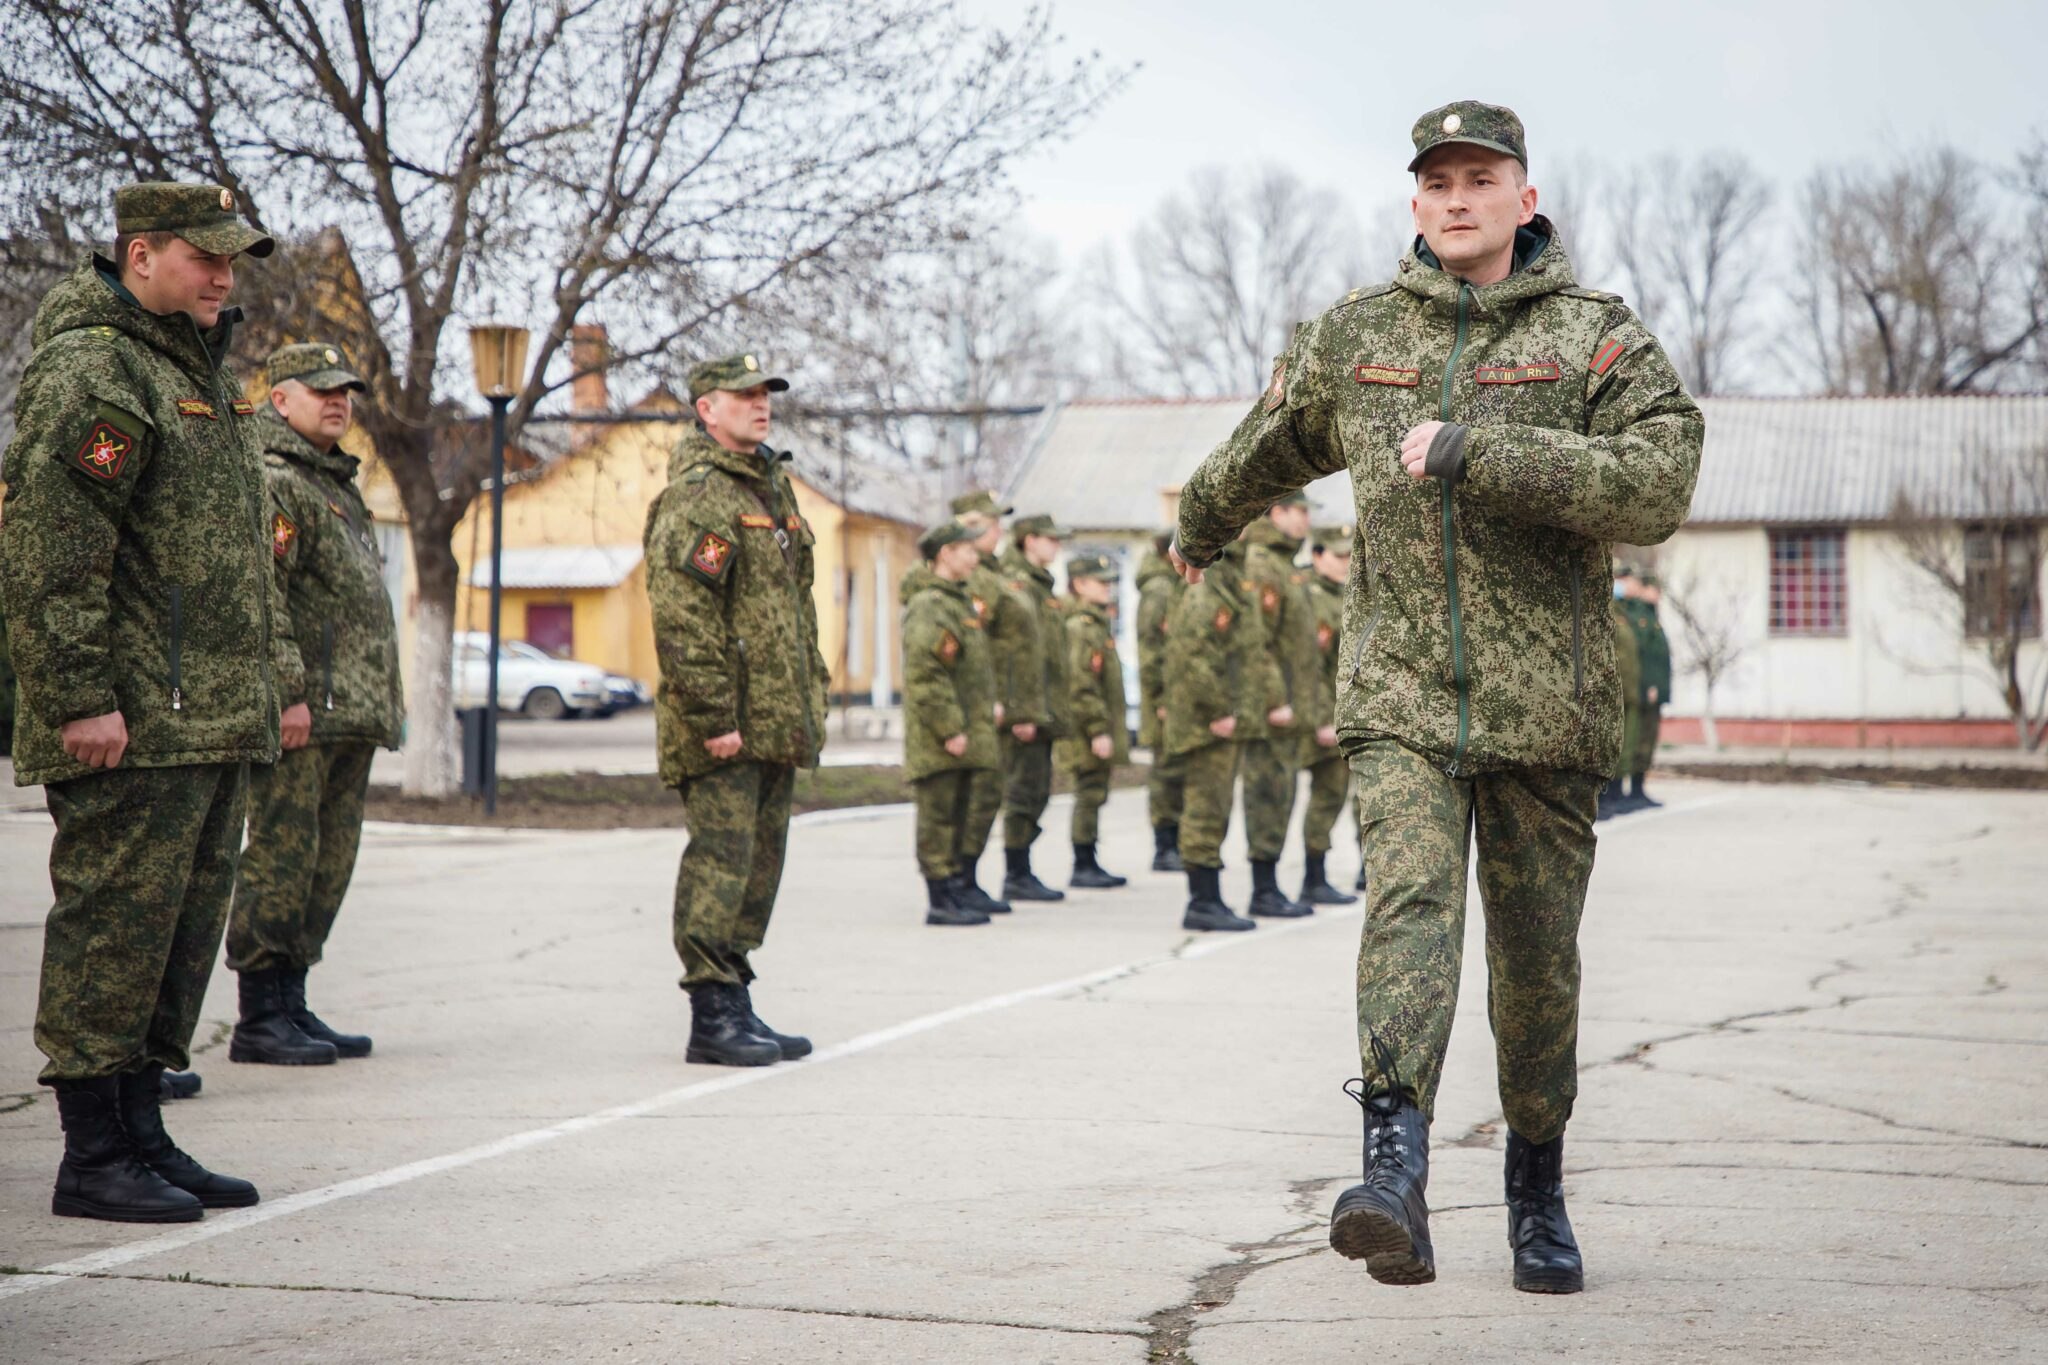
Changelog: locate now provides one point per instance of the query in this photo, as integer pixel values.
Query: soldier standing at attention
(1273, 753)
(1027, 745)
(1097, 738)
(1642, 593)
(1222, 682)
(742, 700)
(949, 728)
(1329, 775)
(135, 562)
(1010, 627)
(1159, 588)
(1502, 428)
(342, 698)
(1628, 666)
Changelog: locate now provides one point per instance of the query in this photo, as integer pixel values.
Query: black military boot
(266, 1033)
(1639, 798)
(1166, 849)
(719, 1030)
(967, 892)
(293, 982)
(141, 1100)
(1385, 1221)
(1089, 874)
(792, 1045)
(1021, 884)
(1609, 804)
(1206, 909)
(179, 1085)
(1316, 888)
(944, 908)
(1268, 900)
(1547, 1259)
(1359, 885)
(100, 1176)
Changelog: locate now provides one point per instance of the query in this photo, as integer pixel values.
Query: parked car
(625, 694)
(530, 681)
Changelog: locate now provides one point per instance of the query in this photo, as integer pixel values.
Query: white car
(530, 681)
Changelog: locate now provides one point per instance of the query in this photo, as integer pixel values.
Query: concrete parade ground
(1812, 1123)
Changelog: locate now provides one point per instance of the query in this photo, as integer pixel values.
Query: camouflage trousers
(1329, 784)
(1534, 832)
(1210, 773)
(143, 865)
(984, 804)
(1091, 789)
(1269, 770)
(1631, 737)
(1651, 721)
(738, 818)
(945, 804)
(305, 824)
(1165, 789)
(1027, 786)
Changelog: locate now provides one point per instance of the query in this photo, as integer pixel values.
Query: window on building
(1809, 582)
(2001, 580)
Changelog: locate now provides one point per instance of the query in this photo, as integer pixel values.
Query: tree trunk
(430, 737)
(1712, 733)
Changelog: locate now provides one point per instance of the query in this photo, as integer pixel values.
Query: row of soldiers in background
(196, 613)
(1643, 656)
(1238, 675)
(1004, 681)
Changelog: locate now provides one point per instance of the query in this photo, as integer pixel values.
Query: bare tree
(661, 162)
(1713, 640)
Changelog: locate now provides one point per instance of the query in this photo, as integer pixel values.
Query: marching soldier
(1273, 752)
(1097, 739)
(1011, 629)
(1222, 682)
(1042, 664)
(1502, 427)
(1329, 775)
(1159, 588)
(1642, 593)
(342, 698)
(135, 563)
(949, 727)
(742, 701)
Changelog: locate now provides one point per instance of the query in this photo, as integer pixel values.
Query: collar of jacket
(279, 439)
(1335, 589)
(1015, 562)
(92, 296)
(915, 580)
(696, 447)
(1541, 267)
(1100, 615)
(1264, 534)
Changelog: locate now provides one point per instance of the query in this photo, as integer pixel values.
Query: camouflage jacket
(1159, 588)
(948, 677)
(729, 572)
(135, 555)
(1653, 647)
(1471, 634)
(1282, 596)
(1219, 659)
(1045, 667)
(1011, 620)
(1095, 690)
(338, 641)
(1327, 599)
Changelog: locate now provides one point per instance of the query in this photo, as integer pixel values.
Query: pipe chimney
(589, 352)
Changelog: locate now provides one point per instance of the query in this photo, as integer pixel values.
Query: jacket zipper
(327, 660)
(1578, 633)
(1451, 550)
(740, 708)
(177, 648)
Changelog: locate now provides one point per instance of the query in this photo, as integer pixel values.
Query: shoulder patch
(1095, 662)
(104, 451)
(1595, 295)
(948, 647)
(1609, 352)
(1223, 619)
(283, 531)
(1276, 392)
(1325, 637)
(711, 558)
(1269, 599)
(1361, 294)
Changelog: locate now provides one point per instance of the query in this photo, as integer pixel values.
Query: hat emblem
(1452, 123)
(227, 202)
(333, 357)
(750, 363)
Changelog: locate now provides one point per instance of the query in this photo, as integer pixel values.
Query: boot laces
(1386, 1151)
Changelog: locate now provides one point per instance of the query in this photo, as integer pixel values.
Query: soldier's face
(736, 419)
(1333, 566)
(180, 279)
(1468, 202)
(1041, 550)
(1096, 591)
(954, 562)
(320, 415)
(1292, 521)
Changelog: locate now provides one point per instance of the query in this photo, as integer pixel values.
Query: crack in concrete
(222, 1030)
(19, 1100)
(1173, 1328)
(1786, 1092)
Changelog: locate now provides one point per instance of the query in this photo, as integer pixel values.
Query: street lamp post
(499, 353)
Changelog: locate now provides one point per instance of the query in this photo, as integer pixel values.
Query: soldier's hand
(96, 741)
(1653, 696)
(1102, 746)
(957, 745)
(1326, 735)
(999, 715)
(1159, 711)
(1280, 715)
(296, 726)
(725, 746)
(1025, 732)
(1415, 448)
(1181, 566)
(1225, 728)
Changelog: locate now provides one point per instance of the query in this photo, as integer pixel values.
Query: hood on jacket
(1540, 267)
(920, 578)
(278, 438)
(92, 296)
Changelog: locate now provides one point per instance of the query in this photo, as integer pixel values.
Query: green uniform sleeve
(687, 593)
(931, 653)
(1153, 604)
(1628, 478)
(1200, 666)
(1020, 667)
(1086, 659)
(289, 527)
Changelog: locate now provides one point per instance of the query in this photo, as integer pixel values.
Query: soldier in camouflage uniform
(949, 727)
(1159, 588)
(135, 564)
(742, 699)
(1222, 682)
(1011, 628)
(1628, 667)
(1329, 774)
(1097, 738)
(1040, 664)
(342, 698)
(1502, 427)
(1273, 754)
(1640, 597)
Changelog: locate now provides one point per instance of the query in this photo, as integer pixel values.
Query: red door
(551, 627)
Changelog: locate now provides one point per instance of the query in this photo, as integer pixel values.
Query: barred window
(2001, 581)
(1809, 582)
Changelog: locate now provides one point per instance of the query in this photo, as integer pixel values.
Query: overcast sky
(1332, 88)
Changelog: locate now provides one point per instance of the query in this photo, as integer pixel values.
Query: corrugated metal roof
(562, 566)
(1103, 465)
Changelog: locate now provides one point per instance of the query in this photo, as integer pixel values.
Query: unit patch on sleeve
(711, 560)
(948, 647)
(1325, 637)
(1518, 374)
(104, 451)
(980, 607)
(1095, 662)
(1276, 392)
(283, 531)
(1387, 374)
(1269, 600)
(1222, 619)
(1609, 352)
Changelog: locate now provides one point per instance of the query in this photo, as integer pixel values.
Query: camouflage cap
(1038, 524)
(1093, 566)
(1482, 125)
(734, 374)
(203, 215)
(981, 502)
(1295, 499)
(939, 537)
(316, 364)
(1335, 539)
